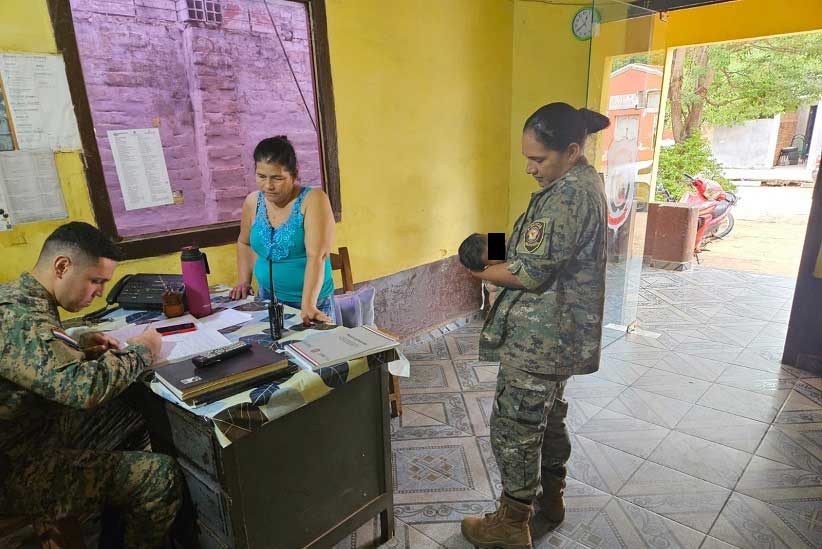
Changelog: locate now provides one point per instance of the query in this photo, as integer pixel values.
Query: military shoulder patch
(535, 234)
(65, 338)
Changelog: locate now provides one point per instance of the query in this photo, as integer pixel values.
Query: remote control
(218, 355)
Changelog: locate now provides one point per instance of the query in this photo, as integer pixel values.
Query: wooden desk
(307, 479)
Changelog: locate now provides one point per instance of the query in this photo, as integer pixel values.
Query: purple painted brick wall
(216, 90)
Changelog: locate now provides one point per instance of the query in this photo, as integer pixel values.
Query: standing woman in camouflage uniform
(546, 323)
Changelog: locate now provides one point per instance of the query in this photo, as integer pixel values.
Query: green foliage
(692, 156)
(656, 58)
(757, 79)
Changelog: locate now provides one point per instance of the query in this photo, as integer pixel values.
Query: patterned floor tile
(679, 387)
(713, 543)
(625, 433)
(431, 350)
(405, 537)
(662, 315)
(677, 496)
(709, 349)
(619, 371)
(743, 403)
(582, 504)
(430, 377)
(441, 521)
(804, 404)
(650, 407)
(793, 489)
(579, 412)
(590, 387)
(445, 511)
(439, 470)
(474, 375)
(758, 311)
(661, 340)
(728, 429)
(797, 444)
(758, 381)
(624, 525)
(635, 353)
(736, 334)
(701, 458)
(433, 415)
(544, 538)
(462, 345)
(750, 523)
(479, 405)
(699, 367)
(761, 358)
(491, 468)
(600, 466)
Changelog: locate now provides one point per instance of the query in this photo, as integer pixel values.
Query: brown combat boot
(551, 503)
(506, 528)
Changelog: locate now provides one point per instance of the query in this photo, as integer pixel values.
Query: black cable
(290, 68)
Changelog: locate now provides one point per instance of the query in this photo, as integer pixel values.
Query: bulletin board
(178, 94)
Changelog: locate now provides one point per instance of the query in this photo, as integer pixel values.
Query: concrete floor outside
(769, 232)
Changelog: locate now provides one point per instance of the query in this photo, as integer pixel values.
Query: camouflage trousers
(528, 434)
(48, 478)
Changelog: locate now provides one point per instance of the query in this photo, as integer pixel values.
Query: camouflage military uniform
(550, 330)
(44, 380)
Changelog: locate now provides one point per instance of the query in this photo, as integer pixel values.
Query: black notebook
(187, 381)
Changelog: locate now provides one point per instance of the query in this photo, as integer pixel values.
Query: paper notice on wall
(141, 168)
(31, 187)
(39, 102)
(6, 142)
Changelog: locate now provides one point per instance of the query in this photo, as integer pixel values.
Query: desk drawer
(193, 439)
(209, 501)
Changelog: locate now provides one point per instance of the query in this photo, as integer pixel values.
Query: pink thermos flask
(195, 269)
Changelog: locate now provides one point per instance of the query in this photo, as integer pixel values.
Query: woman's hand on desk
(241, 291)
(311, 314)
(152, 339)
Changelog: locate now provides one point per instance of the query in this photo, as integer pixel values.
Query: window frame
(153, 244)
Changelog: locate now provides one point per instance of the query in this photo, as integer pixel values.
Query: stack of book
(341, 345)
(196, 386)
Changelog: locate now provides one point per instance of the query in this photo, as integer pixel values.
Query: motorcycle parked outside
(715, 204)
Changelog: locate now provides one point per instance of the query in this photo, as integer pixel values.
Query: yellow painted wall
(423, 94)
(422, 91)
(549, 65)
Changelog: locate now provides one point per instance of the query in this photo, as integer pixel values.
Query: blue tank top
(285, 247)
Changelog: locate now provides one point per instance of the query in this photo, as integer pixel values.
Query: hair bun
(594, 121)
(282, 137)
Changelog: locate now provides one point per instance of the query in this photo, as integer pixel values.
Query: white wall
(747, 145)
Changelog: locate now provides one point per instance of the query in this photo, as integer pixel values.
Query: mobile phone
(177, 329)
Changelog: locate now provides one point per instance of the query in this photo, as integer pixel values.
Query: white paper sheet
(224, 319)
(39, 101)
(190, 344)
(141, 168)
(175, 347)
(31, 187)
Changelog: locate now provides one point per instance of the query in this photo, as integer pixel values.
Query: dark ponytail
(594, 122)
(277, 150)
(557, 125)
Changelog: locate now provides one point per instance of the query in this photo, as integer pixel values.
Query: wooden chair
(58, 534)
(341, 262)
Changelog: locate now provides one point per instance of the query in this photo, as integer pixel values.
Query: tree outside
(727, 84)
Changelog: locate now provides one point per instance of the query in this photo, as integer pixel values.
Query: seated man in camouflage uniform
(46, 376)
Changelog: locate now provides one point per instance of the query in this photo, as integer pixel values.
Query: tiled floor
(696, 438)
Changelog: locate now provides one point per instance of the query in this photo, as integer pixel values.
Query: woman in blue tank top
(287, 229)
